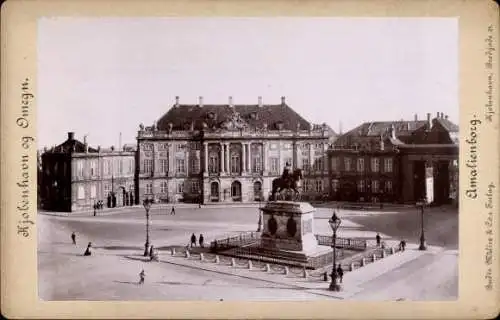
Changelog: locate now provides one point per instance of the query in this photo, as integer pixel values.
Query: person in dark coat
(88, 252)
(340, 272)
(377, 237)
(73, 238)
(142, 276)
(172, 212)
(402, 245)
(193, 240)
(151, 251)
(201, 239)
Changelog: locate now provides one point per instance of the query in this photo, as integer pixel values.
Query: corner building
(396, 161)
(75, 176)
(228, 153)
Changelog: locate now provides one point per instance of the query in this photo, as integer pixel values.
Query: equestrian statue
(288, 180)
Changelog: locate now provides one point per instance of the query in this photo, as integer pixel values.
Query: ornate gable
(234, 122)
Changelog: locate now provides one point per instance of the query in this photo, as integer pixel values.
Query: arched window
(164, 187)
(214, 191)
(257, 190)
(213, 162)
(236, 191)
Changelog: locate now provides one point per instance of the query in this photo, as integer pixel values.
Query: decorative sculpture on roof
(234, 122)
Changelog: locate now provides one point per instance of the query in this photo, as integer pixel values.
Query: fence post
(384, 253)
(286, 271)
(351, 266)
(363, 262)
(392, 250)
(249, 264)
(201, 257)
(374, 257)
(172, 251)
(304, 273)
(268, 267)
(217, 259)
(187, 254)
(233, 262)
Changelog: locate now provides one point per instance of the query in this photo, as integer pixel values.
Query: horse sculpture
(290, 182)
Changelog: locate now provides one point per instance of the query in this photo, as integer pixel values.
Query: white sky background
(104, 76)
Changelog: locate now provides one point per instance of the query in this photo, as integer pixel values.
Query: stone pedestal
(289, 226)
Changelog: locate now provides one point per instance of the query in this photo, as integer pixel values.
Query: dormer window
(211, 115)
(279, 125)
(253, 115)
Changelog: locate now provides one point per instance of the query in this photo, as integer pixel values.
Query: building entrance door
(214, 192)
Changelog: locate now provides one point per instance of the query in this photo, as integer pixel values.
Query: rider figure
(286, 171)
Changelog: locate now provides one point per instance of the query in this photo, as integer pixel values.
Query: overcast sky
(105, 76)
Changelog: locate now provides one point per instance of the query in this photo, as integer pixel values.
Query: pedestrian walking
(73, 237)
(377, 237)
(201, 239)
(340, 273)
(142, 276)
(87, 251)
(95, 208)
(193, 240)
(402, 245)
(172, 212)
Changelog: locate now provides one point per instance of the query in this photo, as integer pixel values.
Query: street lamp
(147, 205)
(334, 224)
(422, 246)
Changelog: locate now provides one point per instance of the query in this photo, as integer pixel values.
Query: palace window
(318, 164)
(107, 189)
(375, 165)
(195, 165)
(195, 187)
(347, 164)
(319, 185)
(361, 185)
(289, 160)
(93, 191)
(79, 166)
(147, 166)
(93, 171)
(164, 187)
(256, 163)
(213, 162)
(335, 185)
(149, 188)
(361, 164)
(305, 164)
(388, 186)
(273, 164)
(180, 166)
(375, 185)
(81, 193)
(334, 162)
(120, 166)
(388, 164)
(235, 162)
(180, 147)
(163, 165)
(130, 166)
(180, 187)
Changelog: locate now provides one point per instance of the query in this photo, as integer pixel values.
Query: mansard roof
(399, 133)
(274, 116)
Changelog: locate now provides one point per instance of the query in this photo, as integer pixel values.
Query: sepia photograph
(247, 158)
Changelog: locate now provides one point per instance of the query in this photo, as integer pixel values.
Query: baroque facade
(228, 152)
(396, 161)
(75, 176)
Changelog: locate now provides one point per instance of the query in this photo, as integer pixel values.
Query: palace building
(228, 152)
(75, 176)
(396, 161)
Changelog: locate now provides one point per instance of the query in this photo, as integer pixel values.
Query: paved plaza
(118, 236)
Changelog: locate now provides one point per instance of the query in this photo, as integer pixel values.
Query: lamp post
(147, 205)
(334, 224)
(421, 205)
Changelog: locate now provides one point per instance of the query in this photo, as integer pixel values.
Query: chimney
(176, 101)
(429, 123)
(446, 117)
(442, 115)
(437, 115)
(392, 131)
(85, 139)
(283, 100)
(230, 101)
(200, 101)
(416, 117)
(260, 101)
(71, 135)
